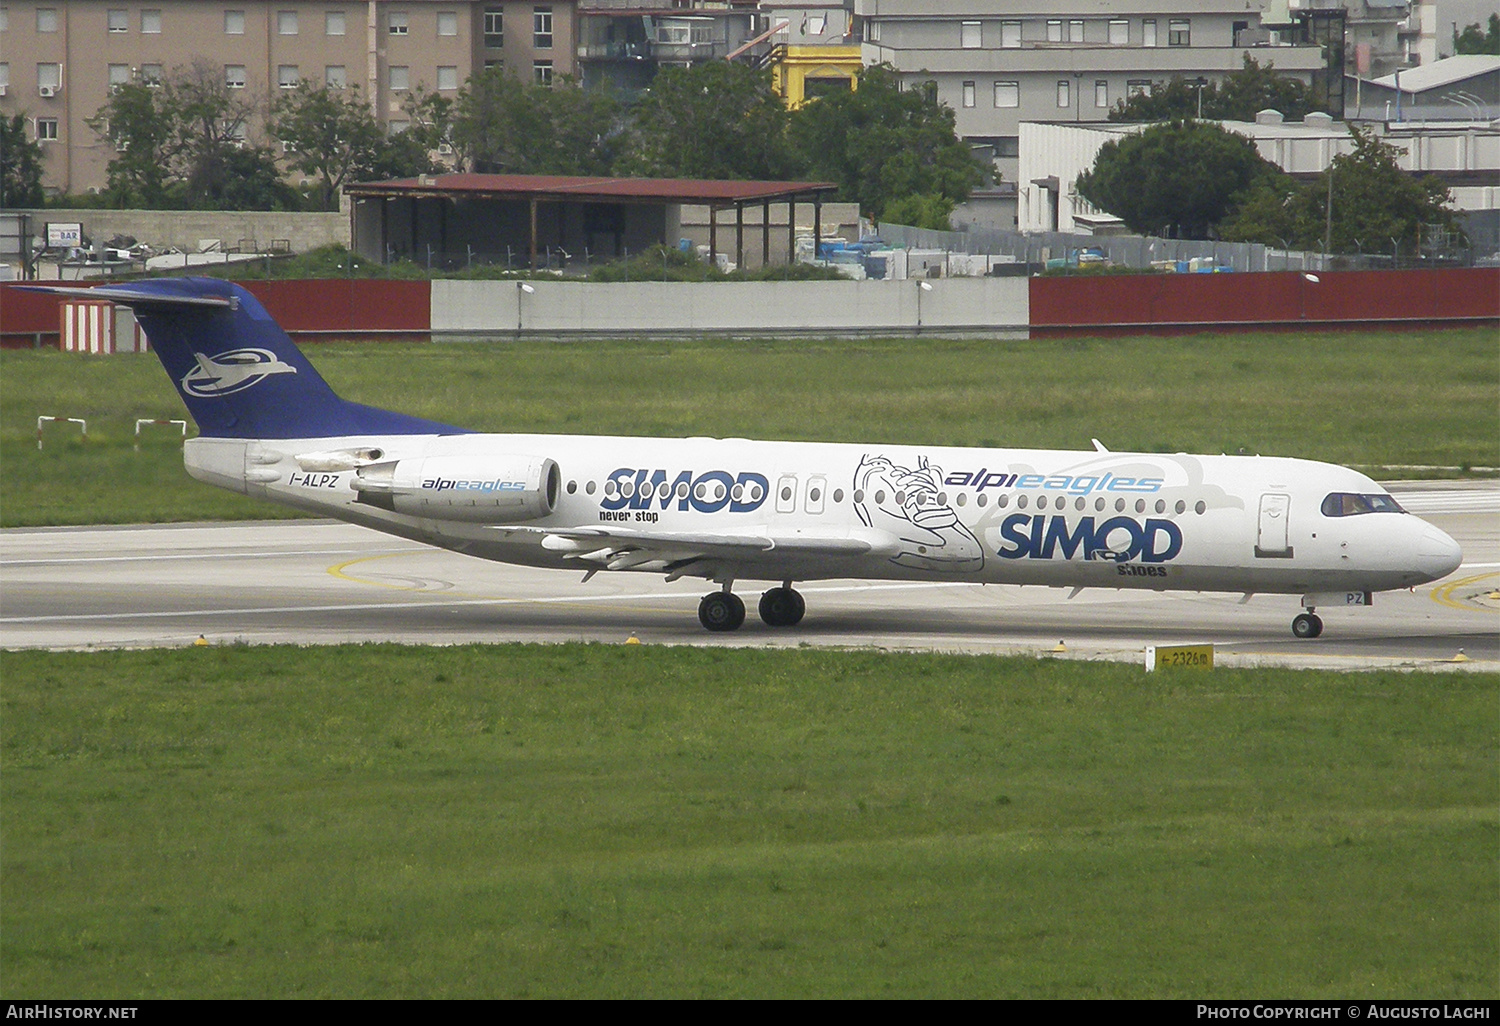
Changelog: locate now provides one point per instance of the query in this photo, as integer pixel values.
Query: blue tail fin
(238, 372)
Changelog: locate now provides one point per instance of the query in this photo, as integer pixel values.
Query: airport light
(522, 289)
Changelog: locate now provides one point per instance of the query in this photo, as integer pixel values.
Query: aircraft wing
(673, 553)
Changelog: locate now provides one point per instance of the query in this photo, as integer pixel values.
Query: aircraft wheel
(721, 611)
(1307, 625)
(782, 607)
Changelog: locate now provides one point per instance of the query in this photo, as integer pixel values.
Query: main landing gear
(782, 607)
(1307, 625)
(724, 611)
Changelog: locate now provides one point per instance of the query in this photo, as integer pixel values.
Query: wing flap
(623, 547)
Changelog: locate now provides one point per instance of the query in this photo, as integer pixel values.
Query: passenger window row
(1347, 504)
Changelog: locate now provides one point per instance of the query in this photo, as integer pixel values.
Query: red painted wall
(336, 306)
(23, 314)
(346, 305)
(1281, 299)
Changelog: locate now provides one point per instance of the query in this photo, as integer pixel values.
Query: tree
(715, 120)
(1178, 179)
(1368, 203)
(179, 141)
(145, 142)
(210, 122)
(20, 165)
(1473, 39)
(503, 125)
(893, 152)
(331, 133)
(1239, 97)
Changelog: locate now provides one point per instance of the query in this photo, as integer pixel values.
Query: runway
(322, 582)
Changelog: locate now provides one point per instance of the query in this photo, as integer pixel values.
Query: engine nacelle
(492, 489)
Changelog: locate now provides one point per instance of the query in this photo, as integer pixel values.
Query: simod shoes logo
(233, 371)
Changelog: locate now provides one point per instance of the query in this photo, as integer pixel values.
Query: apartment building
(622, 43)
(998, 63)
(60, 58)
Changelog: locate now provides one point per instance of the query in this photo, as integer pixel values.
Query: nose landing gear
(1307, 625)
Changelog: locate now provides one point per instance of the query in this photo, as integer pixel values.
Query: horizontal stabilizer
(238, 373)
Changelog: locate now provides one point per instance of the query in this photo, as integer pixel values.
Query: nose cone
(1437, 554)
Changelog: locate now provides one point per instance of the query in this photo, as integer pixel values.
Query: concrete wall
(982, 305)
(183, 229)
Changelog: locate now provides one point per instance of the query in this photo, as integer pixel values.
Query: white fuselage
(732, 509)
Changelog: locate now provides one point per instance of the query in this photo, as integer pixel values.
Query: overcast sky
(1465, 12)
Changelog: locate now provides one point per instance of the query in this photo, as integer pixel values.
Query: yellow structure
(804, 73)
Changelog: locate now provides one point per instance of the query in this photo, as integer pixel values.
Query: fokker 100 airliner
(729, 510)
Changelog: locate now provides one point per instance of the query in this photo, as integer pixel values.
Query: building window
(1007, 94)
(1179, 32)
(400, 78)
(1119, 32)
(397, 127)
(234, 76)
(334, 76)
(872, 31)
(46, 129)
(119, 20)
(4, 19)
(969, 35)
(1010, 34)
(286, 23)
(1101, 93)
(1054, 31)
(333, 23)
(541, 33)
(46, 20)
(1075, 31)
(816, 25)
(234, 23)
(541, 72)
(4, 74)
(1148, 32)
(151, 23)
(119, 74)
(1138, 87)
(447, 78)
(1064, 94)
(494, 28)
(49, 76)
(151, 75)
(397, 22)
(286, 76)
(968, 94)
(447, 23)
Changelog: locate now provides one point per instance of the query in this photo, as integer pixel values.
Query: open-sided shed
(532, 220)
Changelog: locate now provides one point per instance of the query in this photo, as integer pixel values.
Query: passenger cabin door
(1272, 540)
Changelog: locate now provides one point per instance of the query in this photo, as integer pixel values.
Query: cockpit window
(1349, 504)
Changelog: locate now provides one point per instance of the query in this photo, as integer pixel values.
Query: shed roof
(600, 190)
(1446, 72)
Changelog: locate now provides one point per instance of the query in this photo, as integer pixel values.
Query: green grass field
(1352, 398)
(590, 821)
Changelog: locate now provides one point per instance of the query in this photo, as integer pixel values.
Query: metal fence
(1034, 249)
